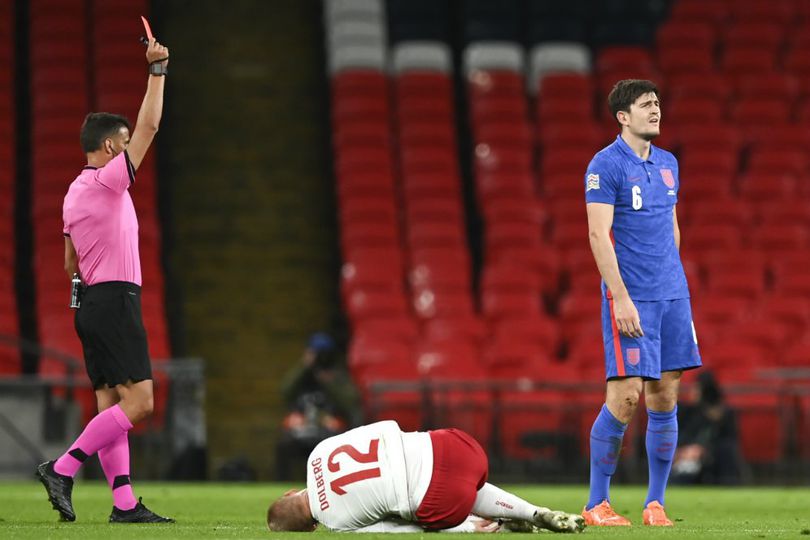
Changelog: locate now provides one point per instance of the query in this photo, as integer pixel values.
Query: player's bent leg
(137, 399)
(494, 503)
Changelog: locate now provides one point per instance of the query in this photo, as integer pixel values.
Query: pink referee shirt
(100, 220)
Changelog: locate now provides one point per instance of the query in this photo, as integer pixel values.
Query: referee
(101, 246)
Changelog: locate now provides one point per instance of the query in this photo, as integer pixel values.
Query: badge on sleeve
(593, 182)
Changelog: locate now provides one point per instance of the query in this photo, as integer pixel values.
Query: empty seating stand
(9, 323)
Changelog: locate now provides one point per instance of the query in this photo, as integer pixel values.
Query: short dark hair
(626, 92)
(98, 126)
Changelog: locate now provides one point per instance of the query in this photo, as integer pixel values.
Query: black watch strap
(158, 68)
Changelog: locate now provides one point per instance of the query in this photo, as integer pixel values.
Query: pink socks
(102, 430)
(114, 460)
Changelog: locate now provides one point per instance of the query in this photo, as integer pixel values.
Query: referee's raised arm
(148, 121)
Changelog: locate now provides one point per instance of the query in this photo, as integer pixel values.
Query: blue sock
(606, 442)
(662, 438)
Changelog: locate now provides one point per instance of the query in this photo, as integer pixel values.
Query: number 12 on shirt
(369, 457)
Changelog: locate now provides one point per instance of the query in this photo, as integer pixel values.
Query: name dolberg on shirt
(317, 471)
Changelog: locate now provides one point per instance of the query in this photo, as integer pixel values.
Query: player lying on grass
(376, 478)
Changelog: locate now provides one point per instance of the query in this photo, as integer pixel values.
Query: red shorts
(460, 469)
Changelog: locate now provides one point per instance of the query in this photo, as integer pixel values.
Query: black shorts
(110, 327)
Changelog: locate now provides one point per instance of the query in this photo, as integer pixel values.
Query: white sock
(492, 503)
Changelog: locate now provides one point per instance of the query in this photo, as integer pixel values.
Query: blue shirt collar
(629, 151)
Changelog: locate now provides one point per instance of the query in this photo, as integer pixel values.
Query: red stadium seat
(423, 108)
(442, 303)
(620, 57)
(370, 304)
(363, 83)
(489, 158)
(567, 85)
(362, 134)
(423, 209)
(777, 239)
(381, 385)
(675, 34)
(368, 235)
(402, 329)
(508, 277)
(774, 85)
(513, 209)
(746, 280)
(439, 268)
(721, 210)
(793, 311)
(379, 209)
(541, 331)
(759, 112)
(693, 110)
(590, 135)
(422, 84)
(682, 60)
(698, 10)
(797, 355)
(367, 271)
(372, 184)
(544, 260)
(435, 234)
(746, 59)
(381, 350)
(498, 134)
(762, 11)
(762, 186)
(502, 184)
(754, 34)
(565, 161)
(426, 133)
(785, 160)
(502, 236)
(483, 84)
(698, 85)
(714, 314)
(499, 304)
(353, 108)
(498, 109)
(790, 210)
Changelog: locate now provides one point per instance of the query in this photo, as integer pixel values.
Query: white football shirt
(367, 475)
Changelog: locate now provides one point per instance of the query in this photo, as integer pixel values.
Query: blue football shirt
(643, 194)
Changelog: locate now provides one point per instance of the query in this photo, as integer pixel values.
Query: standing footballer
(101, 246)
(631, 188)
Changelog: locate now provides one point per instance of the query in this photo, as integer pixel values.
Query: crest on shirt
(593, 182)
(633, 356)
(666, 176)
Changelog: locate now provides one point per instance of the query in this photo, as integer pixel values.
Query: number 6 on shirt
(636, 197)
(337, 484)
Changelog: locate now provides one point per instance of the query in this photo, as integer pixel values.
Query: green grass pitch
(209, 510)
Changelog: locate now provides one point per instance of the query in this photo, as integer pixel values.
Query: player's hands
(486, 525)
(155, 52)
(627, 319)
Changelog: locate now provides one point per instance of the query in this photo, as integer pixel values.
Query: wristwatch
(158, 68)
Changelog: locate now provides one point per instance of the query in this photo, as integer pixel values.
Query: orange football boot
(654, 515)
(602, 515)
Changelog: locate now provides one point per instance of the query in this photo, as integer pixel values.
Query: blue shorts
(669, 342)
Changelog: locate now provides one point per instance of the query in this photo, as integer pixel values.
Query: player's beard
(649, 136)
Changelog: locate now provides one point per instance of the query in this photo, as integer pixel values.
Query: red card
(147, 28)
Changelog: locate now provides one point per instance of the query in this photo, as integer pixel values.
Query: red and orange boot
(655, 516)
(602, 515)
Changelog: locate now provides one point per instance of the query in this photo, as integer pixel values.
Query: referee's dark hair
(97, 127)
(626, 92)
